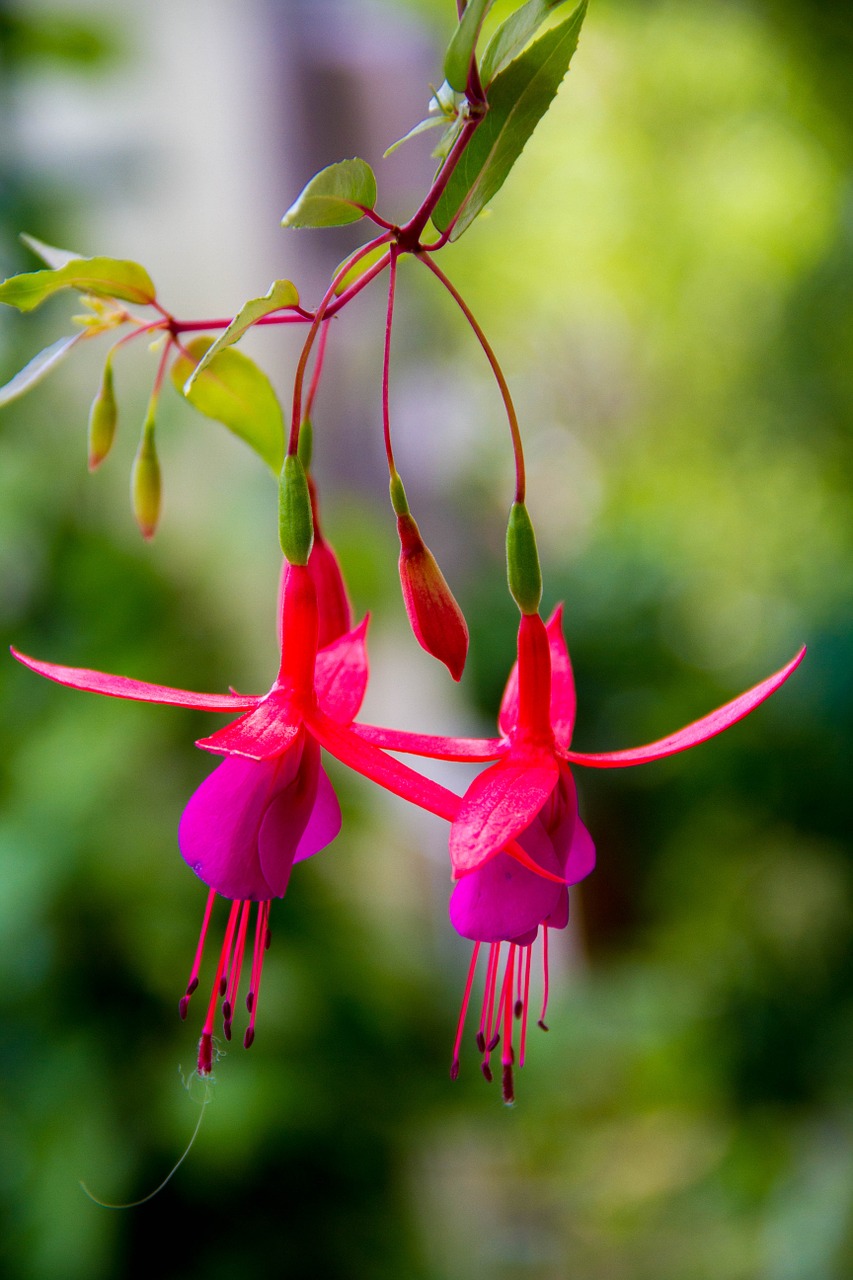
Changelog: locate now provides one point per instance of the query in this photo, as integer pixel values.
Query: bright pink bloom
(269, 804)
(527, 801)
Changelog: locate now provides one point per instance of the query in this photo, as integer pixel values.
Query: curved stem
(512, 417)
(318, 367)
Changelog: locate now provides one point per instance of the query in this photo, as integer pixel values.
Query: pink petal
(498, 805)
(264, 733)
(563, 699)
(324, 823)
(341, 742)
(699, 731)
(137, 690)
(340, 675)
(502, 901)
(426, 744)
(219, 829)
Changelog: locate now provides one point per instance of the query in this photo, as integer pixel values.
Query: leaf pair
(521, 84)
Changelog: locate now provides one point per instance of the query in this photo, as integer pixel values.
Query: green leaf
(234, 391)
(518, 99)
(512, 36)
(457, 60)
(47, 252)
(281, 293)
(103, 277)
(334, 196)
(357, 270)
(37, 368)
(431, 122)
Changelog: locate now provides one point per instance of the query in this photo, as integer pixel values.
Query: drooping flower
(527, 801)
(269, 803)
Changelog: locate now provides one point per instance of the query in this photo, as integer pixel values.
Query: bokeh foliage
(667, 278)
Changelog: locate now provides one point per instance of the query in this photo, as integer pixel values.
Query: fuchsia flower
(528, 799)
(270, 804)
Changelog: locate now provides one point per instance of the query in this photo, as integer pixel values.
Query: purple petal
(581, 858)
(324, 823)
(287, 817)
(502, 901)
(219, 829)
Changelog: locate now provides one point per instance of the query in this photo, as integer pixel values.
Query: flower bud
(102, 419)
(295, 526)
(145, 484)
(522, 560)
(434, 615)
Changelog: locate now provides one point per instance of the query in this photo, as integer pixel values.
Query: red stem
(386, 362)
(319, 316)
(318, 367)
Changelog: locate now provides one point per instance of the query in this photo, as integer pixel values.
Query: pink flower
(517, 841)
(269, 804)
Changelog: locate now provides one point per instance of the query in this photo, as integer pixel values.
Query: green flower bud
(145, 484)
(295, 523)
(522, 560)
(102, 418)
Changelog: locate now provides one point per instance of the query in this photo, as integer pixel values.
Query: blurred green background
(667, 280)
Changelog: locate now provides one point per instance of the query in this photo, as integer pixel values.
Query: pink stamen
(542, 1022)
(507, 1055)
(205, 1045)
(484, 1033)
(525, 1000)
(236, 966)
(184, 1002)
(460, 1026)
(489, 1038)
(262, 941)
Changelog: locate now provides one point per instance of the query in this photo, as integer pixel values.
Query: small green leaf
(37, 368)
(335, 196)
(518, 99)
(48, 252)
(234, 391)
(431, 122)
(457, 60)
(357, 270)
(512, 36)
(281, 293)
(103, 277)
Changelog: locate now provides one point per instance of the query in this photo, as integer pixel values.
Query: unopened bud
(145, 483)
(295, 526)
(522, 560)
(305, 445)
(434, 615)
(102, 419)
